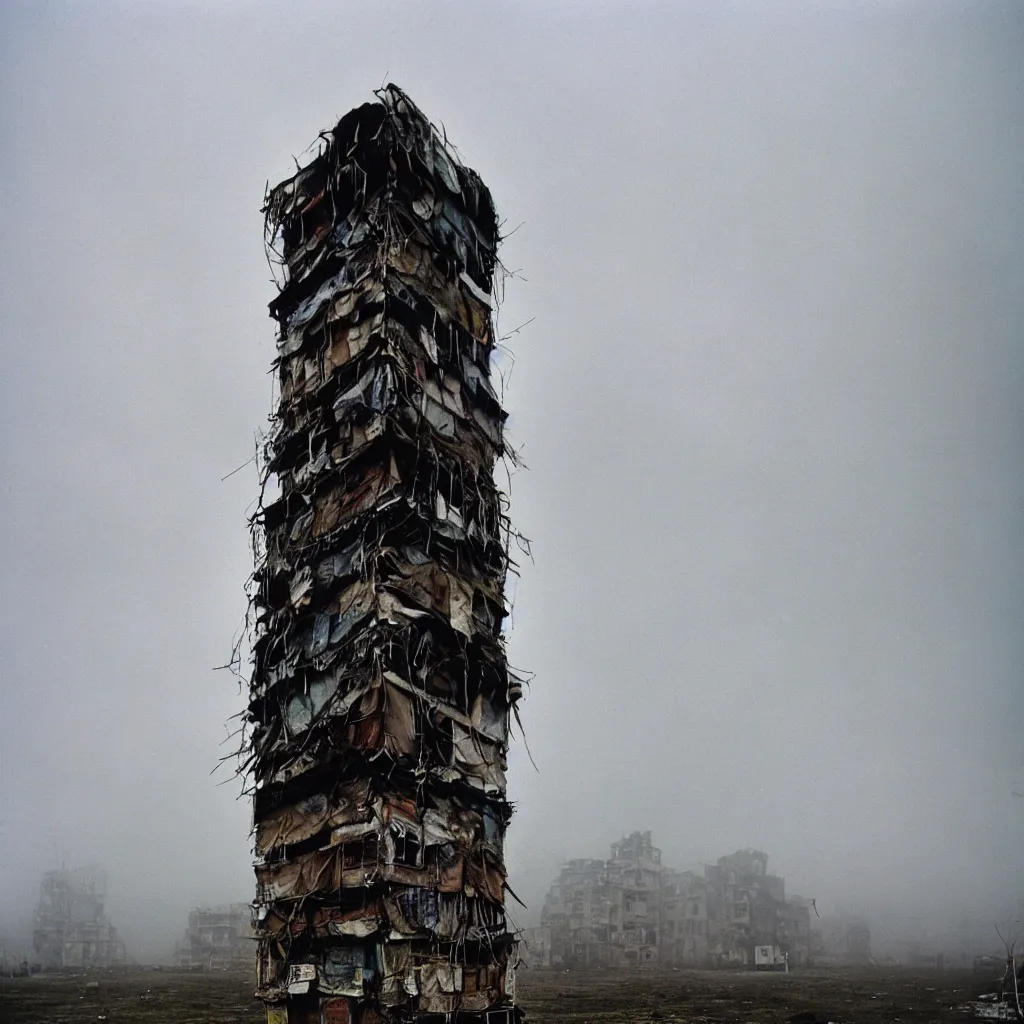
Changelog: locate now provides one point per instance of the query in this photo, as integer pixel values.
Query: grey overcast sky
(770, 401)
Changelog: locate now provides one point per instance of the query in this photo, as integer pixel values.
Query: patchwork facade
(380, 693)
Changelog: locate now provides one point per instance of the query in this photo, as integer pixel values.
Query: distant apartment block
(219, 938)
(630, 910)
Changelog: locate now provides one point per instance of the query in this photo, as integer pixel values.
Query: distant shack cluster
(380, 694)
(631, 911)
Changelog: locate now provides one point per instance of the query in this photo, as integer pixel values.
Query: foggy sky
(770, 402)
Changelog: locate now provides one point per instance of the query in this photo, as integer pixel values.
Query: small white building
(770, 958)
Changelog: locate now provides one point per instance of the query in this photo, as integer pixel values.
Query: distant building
(71, 929)
(631, 911)
(576, 914)
(219, 938)
(858, 943)
(605, 912)
(634, 877)
(747, 908)
(842, 940)
(15, 958)
(684, 917)
(535, 947)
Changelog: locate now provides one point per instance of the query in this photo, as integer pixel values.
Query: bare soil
(869, 995)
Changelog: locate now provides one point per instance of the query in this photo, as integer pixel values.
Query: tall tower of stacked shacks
(380, 693)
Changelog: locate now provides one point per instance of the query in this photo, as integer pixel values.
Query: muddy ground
(847, 996)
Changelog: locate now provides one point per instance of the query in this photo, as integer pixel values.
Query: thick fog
(770, 399)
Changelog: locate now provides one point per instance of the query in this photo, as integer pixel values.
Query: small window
(408, 850)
